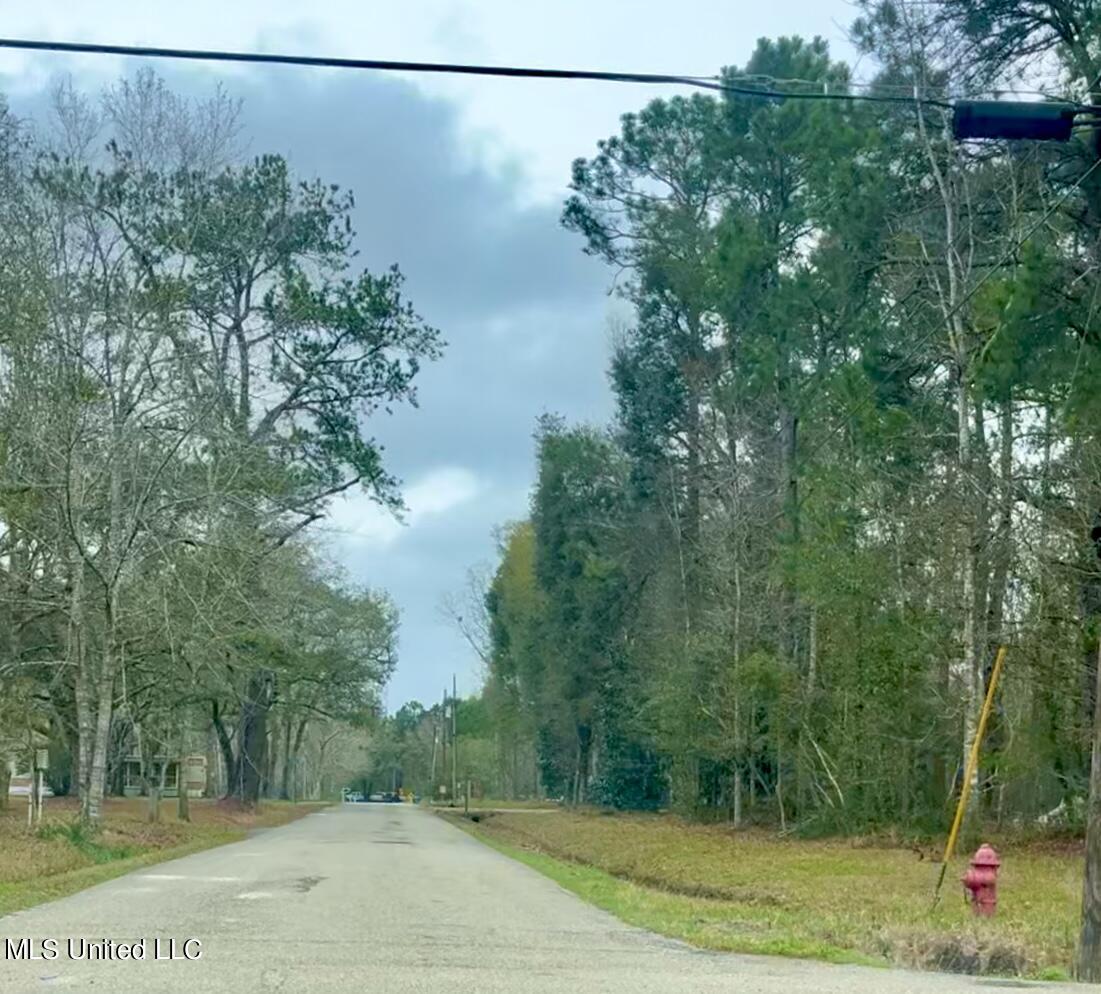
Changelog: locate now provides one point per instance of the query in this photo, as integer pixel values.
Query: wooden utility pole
(435, 746)
(443, 744)
(454, 736)
(1056, 122)
(1087, 960)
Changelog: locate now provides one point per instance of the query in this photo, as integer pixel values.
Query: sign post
(41, 764)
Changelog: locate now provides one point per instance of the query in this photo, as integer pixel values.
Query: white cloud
(359, 522)
(356, 521)
(440, 490)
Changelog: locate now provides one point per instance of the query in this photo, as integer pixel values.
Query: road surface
(389, 898)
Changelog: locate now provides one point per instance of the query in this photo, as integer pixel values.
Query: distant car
(353, 796)
(378, 798)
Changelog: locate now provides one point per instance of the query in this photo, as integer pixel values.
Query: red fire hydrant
(981, 881)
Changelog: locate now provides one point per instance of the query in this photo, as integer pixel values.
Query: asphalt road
(388, 898)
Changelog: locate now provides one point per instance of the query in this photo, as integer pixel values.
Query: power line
(754, 85)
(526, 72)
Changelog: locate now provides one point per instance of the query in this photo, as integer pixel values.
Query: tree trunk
(296, 750)
(5, 783)
(1003, 536)
(92, 802)
(998, 568)
(970, 662)
(271, 747)
(741, 753)
(76, 655)
(285, 786)
(690, 534)
(253, 737)
(584, 743)
(183, 802)
(692, 523)
(104, 681)
(789, 499)
(225, 744)
(789, 607)
(156, 792)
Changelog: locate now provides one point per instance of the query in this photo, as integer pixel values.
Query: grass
(61, 857)
(845, 901)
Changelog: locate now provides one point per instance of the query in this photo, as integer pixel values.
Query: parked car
(378, 798)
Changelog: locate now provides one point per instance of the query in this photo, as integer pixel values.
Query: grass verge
(840, 901)
(59, 858)
(497, 804)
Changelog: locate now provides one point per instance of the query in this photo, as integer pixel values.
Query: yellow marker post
(972, 762)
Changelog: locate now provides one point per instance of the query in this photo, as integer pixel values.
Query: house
(191, 770)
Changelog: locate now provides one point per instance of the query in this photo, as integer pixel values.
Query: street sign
(42, 759)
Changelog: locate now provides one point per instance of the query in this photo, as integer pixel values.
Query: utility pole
(454, 736)
(442, 731)
(1087, 958)
(1052, 121)
(435, 746)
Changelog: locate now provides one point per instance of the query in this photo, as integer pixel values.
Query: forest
(856, 450)
(189, 364)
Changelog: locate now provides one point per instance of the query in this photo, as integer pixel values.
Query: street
(389, 898)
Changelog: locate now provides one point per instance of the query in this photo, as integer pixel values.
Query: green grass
(63, 857)
(699, 921)
(85, 841)
(832, 900)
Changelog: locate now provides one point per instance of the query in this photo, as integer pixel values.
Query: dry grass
(498, 804)
(838, 899)
(58, 858)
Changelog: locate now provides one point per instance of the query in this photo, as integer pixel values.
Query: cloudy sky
(460, 181)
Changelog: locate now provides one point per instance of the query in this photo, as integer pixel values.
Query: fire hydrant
(981, 881)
